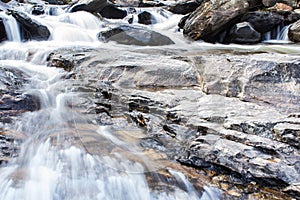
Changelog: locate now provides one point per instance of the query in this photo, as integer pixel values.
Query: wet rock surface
(219, 114)
(134, 35)
(13, 103)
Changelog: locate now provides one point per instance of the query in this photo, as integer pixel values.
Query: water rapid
(66, 155)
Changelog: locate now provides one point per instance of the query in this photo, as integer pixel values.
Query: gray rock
(133, 35)
(259, 78)
(243, 33)
(193, 109)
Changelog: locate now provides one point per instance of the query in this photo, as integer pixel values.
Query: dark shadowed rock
(93, 6)
(243, 33)
(182, 21)
(133, 35)
(263, 21)
(213, 17)
(3, 35)
(37, 10)
(294, 32)
(145, 18)
(112, 12)
(184, 8)
(30, 28)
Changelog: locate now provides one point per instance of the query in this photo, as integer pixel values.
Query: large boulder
(133, 35)
(93, 6)
(30, 28)
(212, 18)
(243, 33)
(3, 35)
(263, 21)
(294, 32)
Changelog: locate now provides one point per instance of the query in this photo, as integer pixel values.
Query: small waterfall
(277, 35)
(283, 33)
(11, 27)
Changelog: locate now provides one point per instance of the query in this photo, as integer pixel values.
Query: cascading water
(56, 161)
(278, 35)
(11, 27)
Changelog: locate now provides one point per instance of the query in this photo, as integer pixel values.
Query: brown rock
(281, 7)
(212, 18)
(294, 32)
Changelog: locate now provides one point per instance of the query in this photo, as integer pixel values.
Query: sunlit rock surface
(226, 112)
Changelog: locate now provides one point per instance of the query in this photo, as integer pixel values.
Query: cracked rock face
(235, 117)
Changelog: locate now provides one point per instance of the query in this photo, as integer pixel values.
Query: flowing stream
(56, 161)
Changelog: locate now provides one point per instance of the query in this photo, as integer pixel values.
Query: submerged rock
(30, 28)
(133, 35)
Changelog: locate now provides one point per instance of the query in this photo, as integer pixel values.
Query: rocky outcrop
(30, 28)
(235, 117)
(112, 12)
(243, 33)
(133, 35)
(93, 6)
(294, 32)
(212, 18)
(215, 21)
